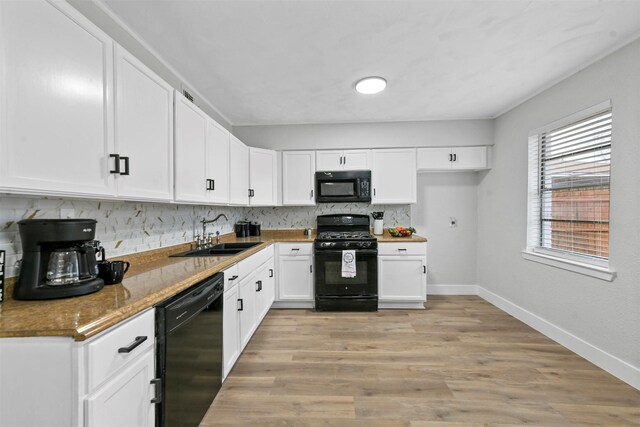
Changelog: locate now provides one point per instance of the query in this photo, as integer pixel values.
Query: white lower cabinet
(125, 400)
(402, 275)
(88, 383)
(249, 292)
(230, 329)
(295, 275)
(247, 309)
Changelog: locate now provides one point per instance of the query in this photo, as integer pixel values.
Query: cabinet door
(394, 176)
(125, 400)
(144, 130)
(239, 172)
(56, 95)
(247, 297)
(190, 142)
(230, 333)
(329, 160)
(298, 178)
(295, 278)
(469, 158)
(262, 177)
(356, 160)
(435, 158)
(217, 163)
(402, 278)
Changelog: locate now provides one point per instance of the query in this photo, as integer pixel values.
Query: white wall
(368, 135)
(451, 250)
(605, 315)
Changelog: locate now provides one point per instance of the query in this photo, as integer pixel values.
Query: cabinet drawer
(231, 277)
(103, 356)
(293, 249)
(247, 266)
(408, 248)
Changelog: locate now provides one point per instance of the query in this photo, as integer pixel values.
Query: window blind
(569, 175)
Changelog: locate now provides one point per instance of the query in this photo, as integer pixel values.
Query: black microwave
(343, 186)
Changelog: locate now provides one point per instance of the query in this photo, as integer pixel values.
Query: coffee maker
(59, 259)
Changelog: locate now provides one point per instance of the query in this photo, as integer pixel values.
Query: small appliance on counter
(254, 229)
(242, 229)
(378, 224)
(59, 259)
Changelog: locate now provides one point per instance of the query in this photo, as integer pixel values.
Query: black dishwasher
(189, 353)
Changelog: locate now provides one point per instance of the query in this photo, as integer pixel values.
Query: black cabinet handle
(345, 160)
(116, 163)
(157, 383)
(402, 250)
(126, 165)
(271, 272)
(340, 159)
(374, 191)
(233, 278)
(311, 269)
(134, 344)
(455, 157)
(424, 269)
(259, 287)
(241, 308)
(312, 194)
(211, 184)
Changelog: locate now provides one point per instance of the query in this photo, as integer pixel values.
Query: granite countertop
(152, 278)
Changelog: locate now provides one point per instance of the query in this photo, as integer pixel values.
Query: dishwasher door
(189, 353)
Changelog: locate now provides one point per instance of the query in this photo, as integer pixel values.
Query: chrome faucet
(209, 221)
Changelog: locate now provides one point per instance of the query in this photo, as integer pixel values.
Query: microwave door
(338, 189)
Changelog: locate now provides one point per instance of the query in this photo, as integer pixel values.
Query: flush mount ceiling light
(371, 85)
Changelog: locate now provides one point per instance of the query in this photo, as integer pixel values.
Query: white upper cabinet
(190, 144)
(56, 94)
(453, 158)
(298, 178)
(144, 130)
(335, 160)
(217, 168)
(394, 176)
(239, 172)
(262, 177)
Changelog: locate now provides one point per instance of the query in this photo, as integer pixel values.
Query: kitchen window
(568, 207)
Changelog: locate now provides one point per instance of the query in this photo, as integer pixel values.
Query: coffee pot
(59, 259)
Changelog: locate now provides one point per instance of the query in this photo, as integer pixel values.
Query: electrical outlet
(67, 213)
(453, 223)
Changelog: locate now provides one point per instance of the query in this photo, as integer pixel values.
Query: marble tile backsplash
(128, 227)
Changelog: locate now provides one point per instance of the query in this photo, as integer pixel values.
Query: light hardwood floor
(460, 362)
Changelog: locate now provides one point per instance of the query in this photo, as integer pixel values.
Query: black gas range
(346, 259)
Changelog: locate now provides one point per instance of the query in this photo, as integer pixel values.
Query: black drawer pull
(126, 165)
(271, 272)
(157, 383)
(136, 343)
(241, 308)
(424, 269)
(233, 278)
(116, 165)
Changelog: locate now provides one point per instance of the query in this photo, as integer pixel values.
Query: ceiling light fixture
(371, 85)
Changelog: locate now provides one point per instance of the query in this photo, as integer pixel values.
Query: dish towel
(349, 263)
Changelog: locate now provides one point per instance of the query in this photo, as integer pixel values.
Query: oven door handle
(366, 252)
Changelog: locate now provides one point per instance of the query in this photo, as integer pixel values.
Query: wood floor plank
(460, 362)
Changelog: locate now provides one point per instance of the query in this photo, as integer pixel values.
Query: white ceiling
(296, 61)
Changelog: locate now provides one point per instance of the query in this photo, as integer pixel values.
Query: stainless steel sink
(221, 249)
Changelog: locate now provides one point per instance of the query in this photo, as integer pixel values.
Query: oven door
(329, 280)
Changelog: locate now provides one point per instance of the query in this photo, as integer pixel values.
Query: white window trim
(603, 273)
(592, 267)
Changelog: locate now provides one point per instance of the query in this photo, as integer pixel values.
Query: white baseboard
(293, 304)
(610, 363)
(452, 289)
